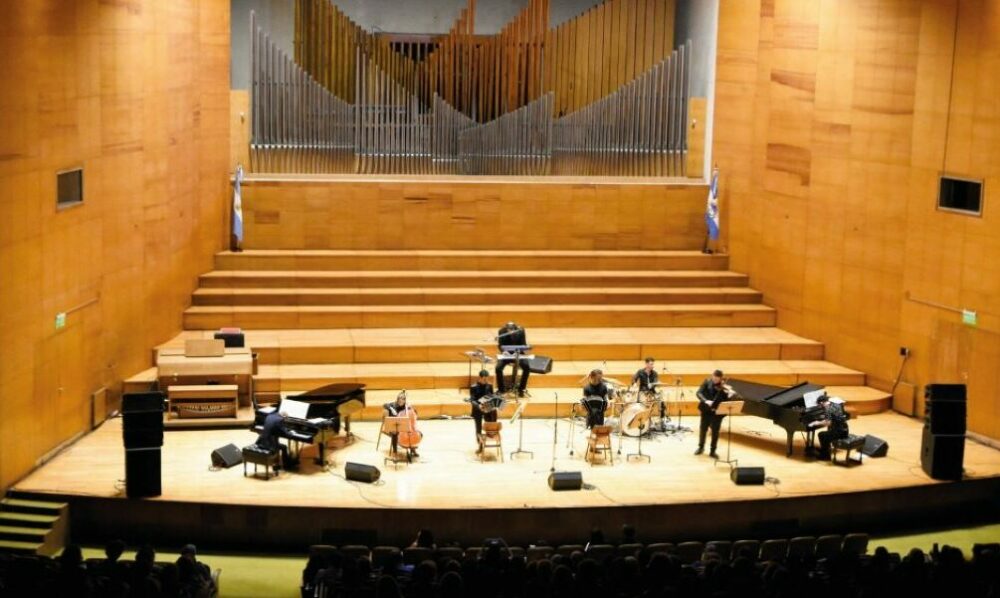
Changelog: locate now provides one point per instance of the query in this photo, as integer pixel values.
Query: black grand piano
(330, 408)
(785, 406)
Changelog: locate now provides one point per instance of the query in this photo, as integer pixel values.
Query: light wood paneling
(137, 94)
(239, 126)
(833, 121)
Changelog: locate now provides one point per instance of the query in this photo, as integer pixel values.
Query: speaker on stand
(142, 435)
(942, 448)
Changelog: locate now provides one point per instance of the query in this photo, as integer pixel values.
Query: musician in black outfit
(647, 376)
(710, 393)
(397, 408)
(596, 388)
(512, 334)
(269, 438)
(480, 389)
(835, 423)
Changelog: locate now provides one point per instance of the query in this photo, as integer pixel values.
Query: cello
(410, 437)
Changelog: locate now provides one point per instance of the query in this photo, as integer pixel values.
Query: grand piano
(785, 406)
(329, 409)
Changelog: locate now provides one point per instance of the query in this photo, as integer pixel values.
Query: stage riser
(412, 260)
(345, 297)
(597, 353)
(96, 520)
(284, 280)
(304, 318)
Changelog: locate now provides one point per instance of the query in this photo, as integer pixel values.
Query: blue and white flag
(238, 208)
(712, 207)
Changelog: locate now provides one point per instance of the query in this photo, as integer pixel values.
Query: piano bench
(258, 456)
(852, 443)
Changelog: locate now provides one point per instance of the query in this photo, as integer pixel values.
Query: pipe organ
(605, 93)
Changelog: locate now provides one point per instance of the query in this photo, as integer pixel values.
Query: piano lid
(780, 396)
(332, 392)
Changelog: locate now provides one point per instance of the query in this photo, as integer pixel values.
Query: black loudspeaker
(135, 402)
(231, 339)
(142, 472)
(142, 419)
(941, 455)
(875, 447)
(747, 476)
(945, 417)
(540, 364)
(360, 472)
(944, 392)
(566, 480)
(227, 456)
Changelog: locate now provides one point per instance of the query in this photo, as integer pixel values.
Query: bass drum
(635, 419)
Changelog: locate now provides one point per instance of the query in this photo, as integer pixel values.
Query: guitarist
(710, 394)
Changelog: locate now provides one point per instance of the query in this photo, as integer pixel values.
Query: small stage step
(33, 526)
(411, 259)
(398, 316)
(379, 345)
(473, 296)
(443, 375)
(469, 278)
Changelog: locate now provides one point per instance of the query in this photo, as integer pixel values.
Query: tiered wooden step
(32, 526)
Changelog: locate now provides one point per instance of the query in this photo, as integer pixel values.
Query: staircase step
(361, 345)
(23, 534)
(20, 547)
(28, 519)
(38, 507)
(398, 316)
(472, 296)
(442, 375)
(473, 278)
(408, 259)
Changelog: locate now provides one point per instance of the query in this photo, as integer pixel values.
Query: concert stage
(674, 496)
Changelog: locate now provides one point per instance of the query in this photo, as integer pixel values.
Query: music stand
(729, 435)
(640, 455)
(679, 427)
(520, 432)
(394, 424)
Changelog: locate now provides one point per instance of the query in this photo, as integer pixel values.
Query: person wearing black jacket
(596, 388)
(710, 394)
(482, 388)
(512, 334)
(647, 376)
(835, 423)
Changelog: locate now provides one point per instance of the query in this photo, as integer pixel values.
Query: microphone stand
(555, 435)
(640, 455)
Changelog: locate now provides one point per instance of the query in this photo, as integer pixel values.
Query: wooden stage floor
(449, 477)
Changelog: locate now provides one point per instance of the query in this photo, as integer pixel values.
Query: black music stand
(395, 422)
(729, 439)
(679, 427)
(520, 432)
(640, 455)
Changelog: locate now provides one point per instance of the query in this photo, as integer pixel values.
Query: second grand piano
(785, 406)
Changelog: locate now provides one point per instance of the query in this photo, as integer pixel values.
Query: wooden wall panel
(137, 93)
(467, 214)
(833, 122)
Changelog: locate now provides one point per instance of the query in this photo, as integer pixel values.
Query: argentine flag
(238, 208)
(712, 207)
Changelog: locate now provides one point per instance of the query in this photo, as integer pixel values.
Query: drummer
(595, 389)
(482, 388)
(647, 376)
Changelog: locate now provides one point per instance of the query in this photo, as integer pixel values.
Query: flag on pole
(712, 207)
(238, 209)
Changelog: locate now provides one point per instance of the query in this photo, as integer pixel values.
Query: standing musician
(512, 334)
(482, 388)
(596, 388)
(398, 408)
(711, 392)
(835, 423)
(647, 376)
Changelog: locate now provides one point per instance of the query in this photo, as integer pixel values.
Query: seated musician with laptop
(835, 422)
(269, 438)
(595, 398)
(398, 408)
(711, 392)
(512, 336)
(481, 389)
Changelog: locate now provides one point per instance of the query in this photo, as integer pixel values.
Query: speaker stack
(142, 434)
(942, 449)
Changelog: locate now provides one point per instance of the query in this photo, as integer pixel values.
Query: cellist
(399, 408)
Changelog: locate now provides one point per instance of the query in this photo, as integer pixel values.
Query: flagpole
(712, 210)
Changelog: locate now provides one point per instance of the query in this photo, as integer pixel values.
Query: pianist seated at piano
(398, 408)
(595, 398)
(269, 438)
(835, 422)
(512, 342)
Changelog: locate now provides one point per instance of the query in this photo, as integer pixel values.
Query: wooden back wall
(833, 121)
(137, 93)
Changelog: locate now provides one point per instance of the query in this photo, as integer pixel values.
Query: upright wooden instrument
(410, 437)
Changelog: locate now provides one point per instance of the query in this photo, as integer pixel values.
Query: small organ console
(203, 375)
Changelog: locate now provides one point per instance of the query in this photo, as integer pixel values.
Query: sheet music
(811, 398)
(293, 408)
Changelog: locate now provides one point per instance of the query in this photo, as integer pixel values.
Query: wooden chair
(490, 439)
(599, 442)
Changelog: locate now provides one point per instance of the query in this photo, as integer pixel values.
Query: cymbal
(613, 382)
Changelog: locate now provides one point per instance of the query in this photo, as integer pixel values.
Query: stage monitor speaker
(942, 455)
(231, 339)
(875, 447)
(566, 480)
(540, 364)
(944, 392)
(946, 417)
(227, 456)
(142, 472)
(747, 476)
(359, 472)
